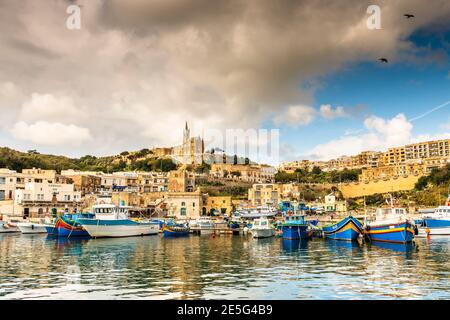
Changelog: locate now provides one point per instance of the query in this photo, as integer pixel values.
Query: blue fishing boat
(347, 229)
(295, 227)
(175, 230)
(390, 225)
(438, 222)
(68, 225)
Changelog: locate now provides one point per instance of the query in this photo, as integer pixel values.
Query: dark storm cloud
(150, 65)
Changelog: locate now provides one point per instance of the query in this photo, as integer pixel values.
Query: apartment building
(245, 173)
(11, 180)
(264, 194)
(86, 182)
(41, 198)
(428, 150)
(153, 182)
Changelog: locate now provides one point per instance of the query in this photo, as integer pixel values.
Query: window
(183, 204)
(193, 204)
(183, 211)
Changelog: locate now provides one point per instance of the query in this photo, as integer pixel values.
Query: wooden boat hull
(292, 232)
(170, 231)
(347, 229)
(395, 233)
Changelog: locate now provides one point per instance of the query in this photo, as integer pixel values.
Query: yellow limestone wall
(352, 190)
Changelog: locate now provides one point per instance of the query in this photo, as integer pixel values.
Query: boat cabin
(294, 219)
(260, 222)
(390, 214)
(110, 212)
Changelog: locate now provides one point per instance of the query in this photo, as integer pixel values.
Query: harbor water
(224, 267)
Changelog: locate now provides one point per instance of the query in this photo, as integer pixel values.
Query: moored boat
(205, 225)
(438, 222)
(295, 227)
(32, 228)
(175, 230)
(6, 227)
(348, 229)
(112, 221)
(262, 228)
(390, 225)
(68, 225)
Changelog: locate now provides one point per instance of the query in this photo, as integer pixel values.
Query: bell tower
(186, 135)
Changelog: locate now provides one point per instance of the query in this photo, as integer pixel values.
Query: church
(191, 151)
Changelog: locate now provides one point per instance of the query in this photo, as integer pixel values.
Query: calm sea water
(225, 267)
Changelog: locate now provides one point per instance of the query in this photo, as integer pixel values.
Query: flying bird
(408, 16)
(383, 60)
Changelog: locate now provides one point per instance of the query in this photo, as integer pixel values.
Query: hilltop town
(171, 182)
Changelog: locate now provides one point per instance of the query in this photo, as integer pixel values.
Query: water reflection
(39, 267)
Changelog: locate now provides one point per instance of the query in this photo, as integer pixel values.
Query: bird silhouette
(383, 60)
(408, 16)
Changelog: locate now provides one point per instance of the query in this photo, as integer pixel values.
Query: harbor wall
(360, 189)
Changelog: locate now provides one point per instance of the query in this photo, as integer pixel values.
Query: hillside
(142, 160)
(430, 191)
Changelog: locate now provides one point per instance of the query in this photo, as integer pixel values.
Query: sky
(137, 70)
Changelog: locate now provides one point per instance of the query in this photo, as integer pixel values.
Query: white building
(41, 198)
(184, 205)
(8, 182)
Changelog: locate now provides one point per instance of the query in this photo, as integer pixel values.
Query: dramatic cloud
(45, 133)
(138, 69)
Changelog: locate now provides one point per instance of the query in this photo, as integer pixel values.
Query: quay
(219, 230)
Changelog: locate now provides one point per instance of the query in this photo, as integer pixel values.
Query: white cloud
(295, 116)
(327, 112)
(53, 134)
(380, 134)
(49, 108)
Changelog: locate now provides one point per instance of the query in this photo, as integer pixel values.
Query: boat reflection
(294, 244)
(397, 247)
(337, 244)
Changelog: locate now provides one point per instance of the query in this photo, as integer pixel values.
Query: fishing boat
(438, 222)
(6, 227)
(295, 227)
(347, 229)
(262, 228)
(32, 228)
(175, 230)
(68, 225)
(390, 225)
(205, 225)
(113, 221)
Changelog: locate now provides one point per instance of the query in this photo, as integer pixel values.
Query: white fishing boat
(204, 224)
(6, 227)
(438, 222)
(261, 228)
(112, 221)
(32, 228)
